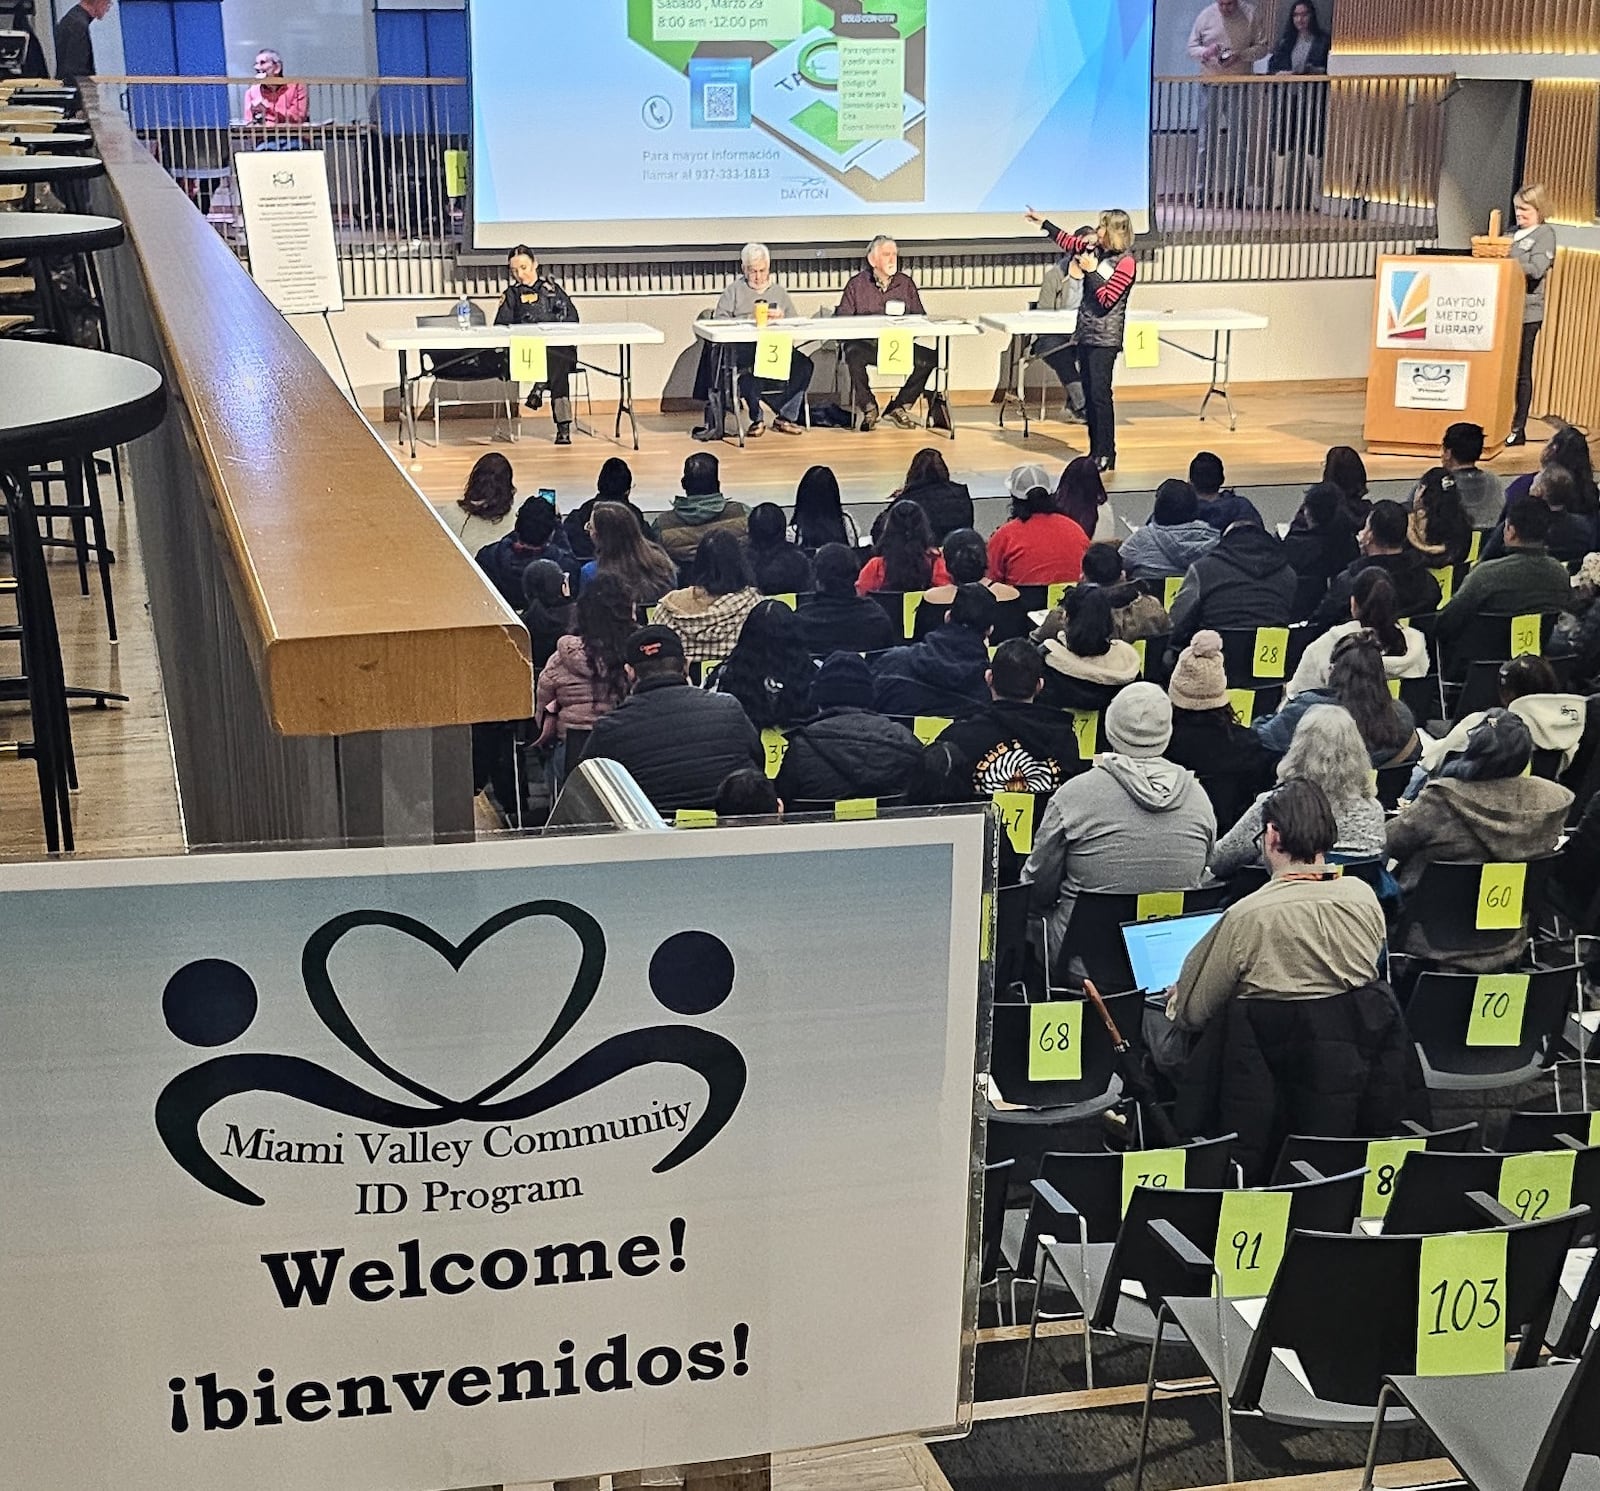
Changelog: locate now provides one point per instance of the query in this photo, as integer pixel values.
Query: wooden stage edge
(1284, 430)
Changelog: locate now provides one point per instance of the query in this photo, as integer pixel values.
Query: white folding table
(623, 335)
(938, 329)
(1221, 323)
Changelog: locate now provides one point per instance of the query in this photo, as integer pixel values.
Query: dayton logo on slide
(1405, 315)
(212, 1002)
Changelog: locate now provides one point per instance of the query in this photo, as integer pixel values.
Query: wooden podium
(1446, 335)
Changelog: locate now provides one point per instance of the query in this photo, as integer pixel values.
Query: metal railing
(1258, 178)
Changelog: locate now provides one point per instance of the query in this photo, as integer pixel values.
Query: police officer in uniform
(532, 299)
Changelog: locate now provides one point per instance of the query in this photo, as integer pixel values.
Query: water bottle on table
(464, 314)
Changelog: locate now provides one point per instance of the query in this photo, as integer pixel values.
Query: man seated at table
(752, 286)
(268, 101)
(881, 289)
(531, 299)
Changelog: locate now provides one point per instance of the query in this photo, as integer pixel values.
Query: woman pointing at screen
(1106, 258)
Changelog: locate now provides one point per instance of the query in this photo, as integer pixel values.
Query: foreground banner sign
(438, 1167)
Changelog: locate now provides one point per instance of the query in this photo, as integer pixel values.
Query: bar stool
(66, 173)
(62, 404)
(39, 237)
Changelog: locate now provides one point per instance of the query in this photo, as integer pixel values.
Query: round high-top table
(37, 235)
(61, 404)
(33, 144)
(33, 171)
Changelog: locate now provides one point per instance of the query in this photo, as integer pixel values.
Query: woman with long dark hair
(1344, 468)
(584, 677)
(484, 511)
(708, 614)
(1089, 664)
(1357, 681)
(1081, 496)
(947, 503)
(819, 516)
(1373, 608)
(780, 567)
(621, 549)
(1568, 448)
(903, 557)
(770, 670)
(1439, 528)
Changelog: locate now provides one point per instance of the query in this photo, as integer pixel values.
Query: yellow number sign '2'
(895, 356)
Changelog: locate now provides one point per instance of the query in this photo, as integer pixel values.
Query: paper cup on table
(761, 313)
(895, 307)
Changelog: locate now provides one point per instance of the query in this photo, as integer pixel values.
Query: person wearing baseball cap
(1134, 822)
(677, 742)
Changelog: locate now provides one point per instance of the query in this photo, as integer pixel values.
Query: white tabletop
(837, 328)
(1030, 323)
(562, 333)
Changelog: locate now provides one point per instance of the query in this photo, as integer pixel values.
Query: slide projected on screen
(651, 123)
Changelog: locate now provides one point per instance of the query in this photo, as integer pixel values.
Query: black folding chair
(1013, 1062)
(1331, 1156)
(1445, 902)
(1257, 657)
(1452, 1016)
(1094, 932)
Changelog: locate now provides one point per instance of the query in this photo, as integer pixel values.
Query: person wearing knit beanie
(1199, 681)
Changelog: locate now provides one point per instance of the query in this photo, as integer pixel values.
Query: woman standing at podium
(1106, 258)
(1533, 246)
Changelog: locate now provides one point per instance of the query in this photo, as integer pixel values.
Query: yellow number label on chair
(1537, 1185)
(894, 352)
(1271, 652)
(1138, 646)
(1154, 903)
(1461, 1305)
(1446, 576)
(1141, 345)
(775, 744)
(1244, 704)
(854, 809)
(1170, 589)
(789, 598)
(774, 355)
(1499, 1002)
(694, 818)
(1161, 1169)
(1016, 815)
(1475, 546)
(1056, 593)
(1500, 889)
(1252, 1231)
(1394, 688)
(1525, 636)
(1384, 1159)
(929, 727)
(1086, 726)
(1055, 1042)
(908, 612)
(530, 362)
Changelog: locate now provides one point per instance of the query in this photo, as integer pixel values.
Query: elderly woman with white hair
(1327, 749)
(756, 295)
(269, 100)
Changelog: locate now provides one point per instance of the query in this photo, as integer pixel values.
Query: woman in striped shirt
(1109, 271)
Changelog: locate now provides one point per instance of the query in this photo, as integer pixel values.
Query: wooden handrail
(359, 610)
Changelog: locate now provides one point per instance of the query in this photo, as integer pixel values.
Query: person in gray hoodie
(1134, 822)
(1173, 539)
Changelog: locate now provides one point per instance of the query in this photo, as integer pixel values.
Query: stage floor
(1284, 430)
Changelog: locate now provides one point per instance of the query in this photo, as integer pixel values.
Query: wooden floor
(1283, 432)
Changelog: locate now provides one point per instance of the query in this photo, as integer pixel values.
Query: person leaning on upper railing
(270, 101)
(74, 45)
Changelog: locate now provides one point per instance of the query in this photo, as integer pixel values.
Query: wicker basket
(1493, 244)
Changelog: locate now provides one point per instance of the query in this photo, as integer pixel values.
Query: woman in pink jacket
(584, 677)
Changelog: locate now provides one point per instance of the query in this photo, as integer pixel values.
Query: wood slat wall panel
(1564, 145)
(1566, 375)
(1467, 27)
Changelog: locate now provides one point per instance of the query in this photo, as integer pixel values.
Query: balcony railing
(1251, 178)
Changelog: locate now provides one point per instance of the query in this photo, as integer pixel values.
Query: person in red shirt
(1037, 545)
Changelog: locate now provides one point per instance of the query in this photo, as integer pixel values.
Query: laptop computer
(1156, 949)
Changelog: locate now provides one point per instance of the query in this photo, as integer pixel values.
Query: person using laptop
(1309, 933)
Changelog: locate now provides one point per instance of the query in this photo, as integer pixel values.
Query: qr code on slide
(721, 103)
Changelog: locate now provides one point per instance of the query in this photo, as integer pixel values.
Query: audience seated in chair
(1207, 737)
(1220, 505)
(1480, 808)
(1327, 751)
(819, 517)
(1321, 539)
(1133, 822)
(1356, 681)
(1526, 579)
(485, 511)
(903, 554)
(677, 742)
(1577, 633)
(1438, 527)
(1089, 663)
(1568, 448)
(846, 750)
(770, 670)
(547, 607)
(1173, 539)
(1528, 688)
(1300, 1035)
(1343, 466)
(615, 484)
(1136, 615)
(1384, 546)
(623, 549)
(1036, 545)
(709, 614)
(780, 567)
(944, 673)
(966, 562)
(536, 535)
(947, 504)
(586, 676)
(1014, 744)
(1245, 581)
(1482, 495)
(701, 509)
(837, 619)
(1374, 608)
(1572, 532)
(747, 793)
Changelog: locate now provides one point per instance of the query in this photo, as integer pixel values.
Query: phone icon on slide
(657, 112)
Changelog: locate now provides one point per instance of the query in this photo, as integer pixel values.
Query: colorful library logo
(1406, 309)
